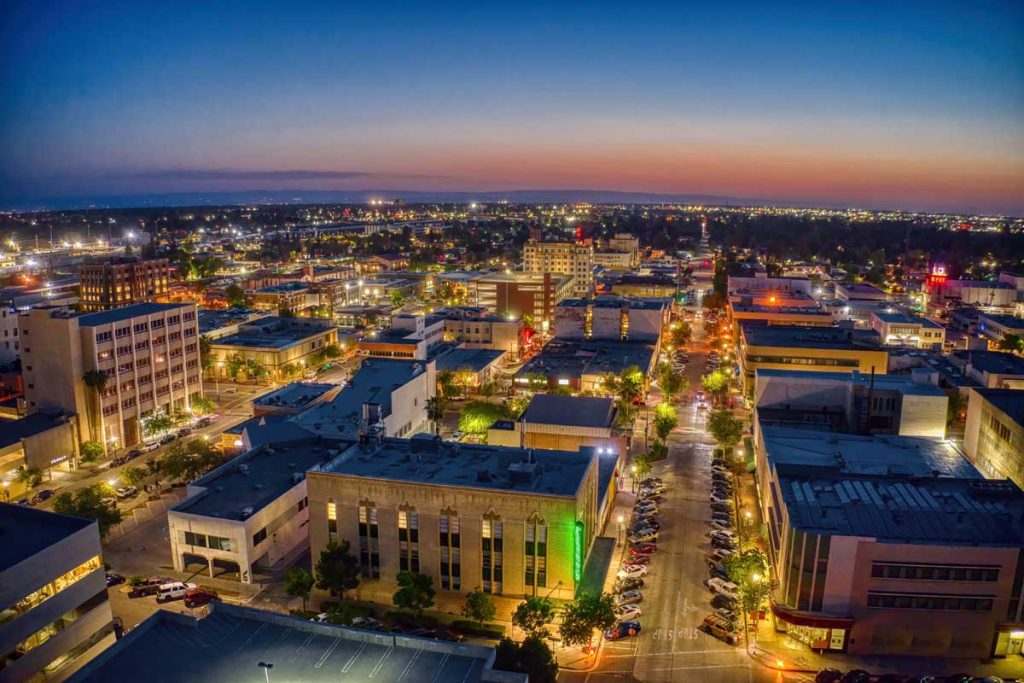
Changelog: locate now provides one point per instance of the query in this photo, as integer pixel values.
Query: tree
(235, 363)
(627, 385)
(415, 592)
(332, 351)
(479, 607)
(533, 657)
(234, 295)
(175, 464)
(205, 359)
(91, 451)
(435, 408)
(749, 570)
(157, 424)
(665, 420)
(298, 583)
(681, 334)
(1011, 342)
(533, 614)
(641, 465)
(289, 370)
(446, 383)
(397, 298)
(29, 477)
(478, 416)
(625, 414)
(133, 476)
(89, 502)
(337, 570)
(155, 469)
(716, 383)
(585, 613)
(672, 383)
(725, 429)
(203, 406)
(96, 380)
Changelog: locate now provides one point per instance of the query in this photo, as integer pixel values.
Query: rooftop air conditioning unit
(247, 512)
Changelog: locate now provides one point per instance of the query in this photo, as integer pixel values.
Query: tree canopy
(337, 570)
(415, 592)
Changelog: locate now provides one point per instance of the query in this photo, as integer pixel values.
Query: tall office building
(148, 352)
(122, 282)
(56, 614)
(575, 259)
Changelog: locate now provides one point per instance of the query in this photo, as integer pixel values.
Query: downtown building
(148, 352)
(574, 259)
(123, 282)
(529, 296)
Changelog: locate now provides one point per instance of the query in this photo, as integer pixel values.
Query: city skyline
(919, 107)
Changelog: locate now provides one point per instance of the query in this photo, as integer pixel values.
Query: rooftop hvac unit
(247, 512)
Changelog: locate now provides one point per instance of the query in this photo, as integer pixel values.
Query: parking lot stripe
(254, 636)
(327, 653)
(440, 667)
(383, 658)
(412, 661)
(353, 658)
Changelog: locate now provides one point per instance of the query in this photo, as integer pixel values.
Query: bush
(407, 619)
(470, 628)
(345, 612)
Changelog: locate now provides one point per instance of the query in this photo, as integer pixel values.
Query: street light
(266, 666)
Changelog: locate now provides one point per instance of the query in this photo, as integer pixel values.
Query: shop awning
(811, 619)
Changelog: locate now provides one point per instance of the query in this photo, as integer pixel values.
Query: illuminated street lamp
(266, 666)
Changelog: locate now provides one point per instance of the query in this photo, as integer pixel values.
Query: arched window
(491, 552)
(450, 540)
(536, 553)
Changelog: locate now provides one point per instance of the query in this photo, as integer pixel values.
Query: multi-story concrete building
(850, 402)
(10, 350)
(994, 435)
(991, 369)
(988, 296)
(273, 342)
(810, 315)
(818, 349)
(890, 545)
(562, 423)
(901, 329)
(859, 291)
(522, 295)
(509, 521)
(583, 365)
(625, 243)
(995, 327)
(758, 283)
(148, 352)
(250, 513)
(56, 616)
(575, 259)
(410, 337)
(123, 282)
(474, 328)
(287, 296)
(612, 318)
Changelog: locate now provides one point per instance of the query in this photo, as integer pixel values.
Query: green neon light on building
(577, 552)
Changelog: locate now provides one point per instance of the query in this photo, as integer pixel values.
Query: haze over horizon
(917, 107)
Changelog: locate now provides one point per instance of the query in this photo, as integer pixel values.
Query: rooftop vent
(247, 512)
(297, 477)
(523, 472)
(243, 469)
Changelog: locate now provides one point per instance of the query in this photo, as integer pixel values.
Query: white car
(721, 525)
(632, 572)
(628, 612)
(643, 536)
(127, 491)
(715, 498)
(630, 597)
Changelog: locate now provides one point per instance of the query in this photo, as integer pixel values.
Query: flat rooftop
(570, 411)
(424, 459)
(373, 382)
(213, 319)
(572, 358)
(857, 454)
(992, 362)
(810, 337)
(463, 359)
(176, 648)
(270, 469)
(809, 309)
(126, 313)
(271, 332)
(13, 431)
(969, 512)
(904, 384)
(26, 531)
(283, 287)
(905, 319)
(860, 288)
(294, 395)
(1010, 401)
(1011, 321)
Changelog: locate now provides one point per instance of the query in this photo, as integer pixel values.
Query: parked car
(862, 676)
(718, 555)
(175, 590)
(728, 614)
(717, 499)
(623, 585)
(721, 524)
(637, 560)
(644, 523)
(723, 516)
(646, 535)
(719, 571)
(645, 507)
(722, 533)
(367, 622)
(166, 439)
(723, 543)
(151, 446)
(134, 453)
(623, 629)
(198, 597)
(628, 612)
(147, 586)
(652, 488)
(725, 601)
(721, 506)
(629, 597)
(322, 618)
(184, 431)
(643, 549)
(632, 571)
(40, 496)
(720, 628)
(828, 676)
(126, 492)
(722, 587)
(114, 579)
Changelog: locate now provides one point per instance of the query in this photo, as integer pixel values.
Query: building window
(259, 536)
(332, 522)
(928, 572)
(929, 601)
(450, 541)
(408, 539)
(369, 541)
(48, 590)
(536, 552)
(491, 553)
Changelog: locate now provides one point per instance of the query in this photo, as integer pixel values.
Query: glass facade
(491, 554)
(450, 541)
(48, 590)
(369, 542)
(536, 553)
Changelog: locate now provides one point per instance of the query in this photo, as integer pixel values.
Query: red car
(198, 597)
(643, 549)
(637, 559)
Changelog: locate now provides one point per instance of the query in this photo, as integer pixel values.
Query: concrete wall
(923, 415)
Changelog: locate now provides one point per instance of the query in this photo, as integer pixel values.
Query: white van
(173, 591)
(722, 587)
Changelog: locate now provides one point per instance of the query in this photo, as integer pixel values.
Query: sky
(880, 105)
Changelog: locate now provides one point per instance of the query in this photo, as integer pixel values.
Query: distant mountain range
(126, 201)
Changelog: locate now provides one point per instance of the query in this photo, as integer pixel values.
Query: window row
(207, 541)
(925, 572)
(960, 603)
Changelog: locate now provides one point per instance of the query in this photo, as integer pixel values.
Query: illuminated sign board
(577, 552)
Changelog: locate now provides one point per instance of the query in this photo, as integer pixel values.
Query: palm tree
(97, 381)
(435, 412)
